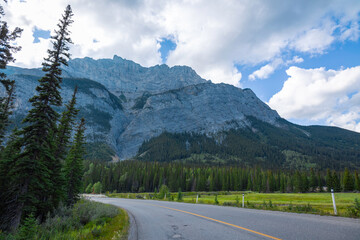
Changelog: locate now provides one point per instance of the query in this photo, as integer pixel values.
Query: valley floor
(316, 203)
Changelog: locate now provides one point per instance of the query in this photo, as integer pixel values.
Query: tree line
(40, 163)
(139, 176)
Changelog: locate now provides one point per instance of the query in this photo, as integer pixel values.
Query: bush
(354, 211)
(216, 200)
(232, 204)
(180, 195)
(86, 211)
(163, 190)
(97, 187)
(28, 229)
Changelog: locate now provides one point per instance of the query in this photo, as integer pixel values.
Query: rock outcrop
(125, 103)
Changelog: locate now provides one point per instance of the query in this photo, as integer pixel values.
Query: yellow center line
(215, 220)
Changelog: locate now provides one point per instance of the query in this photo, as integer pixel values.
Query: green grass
(86, 220)
(318, 203)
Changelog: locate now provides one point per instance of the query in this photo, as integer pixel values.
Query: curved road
(157, 220)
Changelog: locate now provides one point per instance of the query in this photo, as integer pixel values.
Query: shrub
(216, 200)
(28, 229)
(86, 211)
(354, 211)
(97, 187)
(163, 190)
(180, 195)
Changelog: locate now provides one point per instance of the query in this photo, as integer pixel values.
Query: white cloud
(320, 94)
(211, 36)
(265, 71)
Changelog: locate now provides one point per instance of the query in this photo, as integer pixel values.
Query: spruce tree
(65, 127)
(73, 169)
(37, 171)
(357, 181)
(336, 182)
(6, 103)
(329, 180)
(348, 181)
(6, 50)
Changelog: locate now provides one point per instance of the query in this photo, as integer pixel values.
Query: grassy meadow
(316, 203)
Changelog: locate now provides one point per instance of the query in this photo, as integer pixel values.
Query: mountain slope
(126, 104)
(286, 146)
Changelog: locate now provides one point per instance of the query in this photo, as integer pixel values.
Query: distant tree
(336, 182)
(97, 188)
(313, 180)
(164, 190)
(348, 181)
(180, 195)
(216, 200)
(357, 181)
(89, 188)
(73, 169)
(329, 180)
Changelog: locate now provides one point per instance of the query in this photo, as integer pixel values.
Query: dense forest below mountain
(287, 146)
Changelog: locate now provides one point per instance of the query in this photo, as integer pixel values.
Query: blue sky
(300, 57)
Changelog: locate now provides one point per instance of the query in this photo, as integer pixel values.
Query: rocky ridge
(125, 103)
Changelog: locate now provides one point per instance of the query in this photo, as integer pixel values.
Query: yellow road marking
(215, 220)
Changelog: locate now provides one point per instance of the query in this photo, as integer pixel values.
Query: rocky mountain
(128, 106)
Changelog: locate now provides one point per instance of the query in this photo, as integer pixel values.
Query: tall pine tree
(6, 103)
(37, 171)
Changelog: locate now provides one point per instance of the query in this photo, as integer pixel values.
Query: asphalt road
(157, 220)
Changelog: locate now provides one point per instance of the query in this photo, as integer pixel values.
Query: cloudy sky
(300, 57)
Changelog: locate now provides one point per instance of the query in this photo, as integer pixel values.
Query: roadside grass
(316, 203)
(86, 220)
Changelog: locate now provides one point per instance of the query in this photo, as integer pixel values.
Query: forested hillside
(286, 146)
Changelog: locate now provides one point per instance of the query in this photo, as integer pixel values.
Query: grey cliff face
(124, 76)
(125, 103)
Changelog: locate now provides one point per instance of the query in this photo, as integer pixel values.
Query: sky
(300, 57)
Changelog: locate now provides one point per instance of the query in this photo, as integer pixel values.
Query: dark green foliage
(336, 182)
(6, 50)
(163, 192)
(73, 168)
(354, 211)
(6, 104)
(28, 229)
(135, 176)
(216, 200)
(180, 195)
(65, 128)
(289, 147)
(348, 181)
(97, 188)
(36, 174)
(99, 152)
(329, 180)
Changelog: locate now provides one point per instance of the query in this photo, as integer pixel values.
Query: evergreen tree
(329, 180)
(357, 181)
(6, 50)
(180, 195)
(73, 169)
(336, 182)
(37, 173)
(348, 181)
(313, 180)
(65, 127)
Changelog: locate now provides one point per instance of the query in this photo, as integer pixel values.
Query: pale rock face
(124, 76)
(158, 99)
